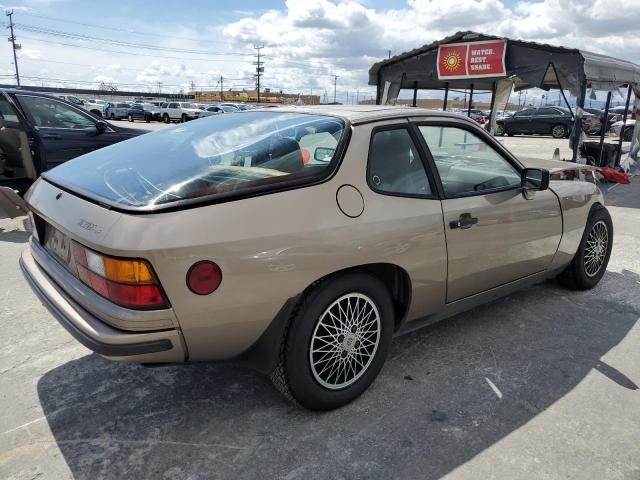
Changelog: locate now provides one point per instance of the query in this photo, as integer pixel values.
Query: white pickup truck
(179, 112)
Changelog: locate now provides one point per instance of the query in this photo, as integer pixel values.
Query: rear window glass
(215, 155)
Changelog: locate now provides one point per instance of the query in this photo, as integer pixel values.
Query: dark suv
(38, 132)
(555, 121)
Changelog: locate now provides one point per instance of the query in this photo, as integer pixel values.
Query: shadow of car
(434, 409)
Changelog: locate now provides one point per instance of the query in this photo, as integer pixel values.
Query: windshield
(216, 155)
(188, 105)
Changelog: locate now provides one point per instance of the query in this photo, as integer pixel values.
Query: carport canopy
(524, 65)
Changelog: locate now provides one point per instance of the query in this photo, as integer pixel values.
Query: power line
(121, 43)
(129, 31)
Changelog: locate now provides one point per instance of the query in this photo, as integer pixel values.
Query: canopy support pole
(470, 101)
(604, 128)
(624, 120)
(576, 133)
(446, 97)
(415, 94)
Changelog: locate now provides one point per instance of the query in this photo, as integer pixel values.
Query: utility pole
(389, 53)
(159, 88)
(16, 46)
(221, 89)
(259, 68)
(335, 85)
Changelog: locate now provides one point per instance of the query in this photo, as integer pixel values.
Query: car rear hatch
(66, 228)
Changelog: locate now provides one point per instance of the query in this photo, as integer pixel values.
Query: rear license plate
(57, 243)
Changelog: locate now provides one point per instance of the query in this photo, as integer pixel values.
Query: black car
(553, 121)
(38, 132)
(143, 111)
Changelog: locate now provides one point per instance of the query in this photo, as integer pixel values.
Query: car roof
(356, 114)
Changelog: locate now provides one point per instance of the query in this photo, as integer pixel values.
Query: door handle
(52, 136)
(465, 221)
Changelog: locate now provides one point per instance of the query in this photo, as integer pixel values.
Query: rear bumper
(145, 347)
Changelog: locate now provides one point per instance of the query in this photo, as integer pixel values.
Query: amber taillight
(130, 283)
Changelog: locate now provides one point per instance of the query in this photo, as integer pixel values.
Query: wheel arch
(263, 354)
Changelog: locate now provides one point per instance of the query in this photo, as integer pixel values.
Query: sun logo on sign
(452, 61)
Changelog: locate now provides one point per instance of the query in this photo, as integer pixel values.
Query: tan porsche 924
(299, 241)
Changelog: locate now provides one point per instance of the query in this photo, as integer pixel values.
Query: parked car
(152, 249)
(116, 110)
(555, 121)
(95, 106)
(612, 117)
(179, 112)
(237, 106)
(624, 129)
(88, 105)
(143, 111)
(211, 110)
(40, 131)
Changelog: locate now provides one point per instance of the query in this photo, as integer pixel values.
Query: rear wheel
(130, 118)
(559, 131)
(165, 118)
(499, 130)
(627, 134)
(147, 119)
(336, 343)
(183, 118)
(590, 262)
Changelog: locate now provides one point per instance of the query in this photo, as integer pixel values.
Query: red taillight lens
(204, 277)
(129, 283)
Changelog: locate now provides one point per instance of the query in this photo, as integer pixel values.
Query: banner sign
(472, 60)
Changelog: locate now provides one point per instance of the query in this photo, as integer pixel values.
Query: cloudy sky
(172, 45)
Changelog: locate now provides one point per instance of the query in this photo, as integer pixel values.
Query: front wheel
(165, 118)
(147, 118)
(499, 130)
(591, 260)
(183, 118)
(559, 131)
(130, 118)
(627, 135)
(336, 343)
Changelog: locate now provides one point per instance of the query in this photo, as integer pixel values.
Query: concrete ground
(539, 385)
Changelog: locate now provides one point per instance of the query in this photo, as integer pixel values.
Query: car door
(496, 232)
(174, 110)
(521, 122)
(17, 166)
(402, 214)
(546, 118)
(62, 132)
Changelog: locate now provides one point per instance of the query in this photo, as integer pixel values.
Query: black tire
(558, 131)
(113, 117)
(183, 118)
(147, 119)
(627, 134)
(499, 130)
(294, 374)
(130, 118)
(165, 118)
(575, 276)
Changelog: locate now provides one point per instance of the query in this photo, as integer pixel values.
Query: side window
(8, 114)
(525, 113)
(466, 164)
(549, 112)
(395, 166)
(48, 113)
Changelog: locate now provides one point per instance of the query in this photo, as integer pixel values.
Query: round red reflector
(204, 277)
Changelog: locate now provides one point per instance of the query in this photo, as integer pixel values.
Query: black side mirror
(101, 126)
(535, 179)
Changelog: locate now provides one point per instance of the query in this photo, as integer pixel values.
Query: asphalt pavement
(542, 384)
